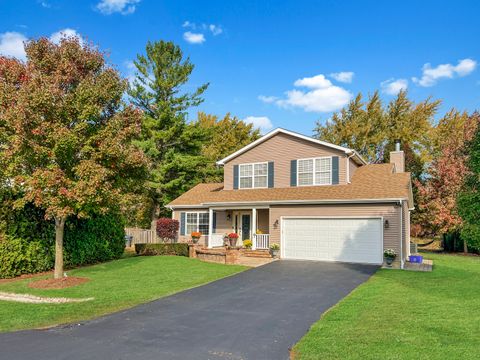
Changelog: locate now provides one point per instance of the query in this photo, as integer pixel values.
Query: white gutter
(289, 202)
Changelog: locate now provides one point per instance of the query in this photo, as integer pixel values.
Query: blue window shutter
(235, 176)
(182, 223)
(293, 173)
(271, 174)
(214, 221)
(334, 170)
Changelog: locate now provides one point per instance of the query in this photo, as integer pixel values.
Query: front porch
(249, 223)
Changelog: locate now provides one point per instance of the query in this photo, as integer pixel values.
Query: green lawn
(404, 315)
(115, 285)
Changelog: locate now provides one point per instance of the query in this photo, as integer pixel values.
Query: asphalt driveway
(257, 314)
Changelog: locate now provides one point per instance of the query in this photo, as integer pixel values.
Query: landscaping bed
(404, 315)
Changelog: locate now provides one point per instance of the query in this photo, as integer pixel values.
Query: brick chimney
(397, 157)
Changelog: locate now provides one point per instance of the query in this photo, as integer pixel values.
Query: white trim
(314, 170)
(291, 133)
(198, 221)
(401, 235)
(282, 225)
(210, 227)
(348, 168)
(253, 175)
(253, 228)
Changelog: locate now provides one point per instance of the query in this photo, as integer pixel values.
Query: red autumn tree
(66, 138)
(438, 195)
(167, 228)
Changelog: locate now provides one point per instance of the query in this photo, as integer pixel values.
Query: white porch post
(210, 228)
(254, 228)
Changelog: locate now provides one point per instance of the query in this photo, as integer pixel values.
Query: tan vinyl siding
(281, 149)
(353, 166)
(391, 236)
(262, 220)
(186, 237)
(224, 226)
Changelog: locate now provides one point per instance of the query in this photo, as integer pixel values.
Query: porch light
(386, 224)
(275, 224)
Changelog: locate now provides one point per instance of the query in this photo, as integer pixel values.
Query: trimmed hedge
(96, 239)
(179, 249)
(18, 256)
(27, 240)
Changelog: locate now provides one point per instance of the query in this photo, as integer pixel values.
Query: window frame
(314, 171)
(252, 177)
(197, 222)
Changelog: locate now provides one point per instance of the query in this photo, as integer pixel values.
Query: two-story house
(317, 200)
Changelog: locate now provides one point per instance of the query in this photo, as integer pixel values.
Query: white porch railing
(262, 241)
(215, 240)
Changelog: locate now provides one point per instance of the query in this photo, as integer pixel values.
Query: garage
(355, 240)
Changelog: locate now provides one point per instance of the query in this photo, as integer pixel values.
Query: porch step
(257, 253)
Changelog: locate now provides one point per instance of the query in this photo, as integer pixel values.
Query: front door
(246, 219)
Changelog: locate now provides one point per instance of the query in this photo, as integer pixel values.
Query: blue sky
(280, 63)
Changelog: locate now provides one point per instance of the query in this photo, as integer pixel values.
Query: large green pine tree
(172, 144)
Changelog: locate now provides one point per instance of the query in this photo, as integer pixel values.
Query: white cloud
(44, 4)
(130, 71)
(430, 75)
(193, 38)
(323, 96)
(393, 87)
(188, 24)
(11, 44)
(343, 76)
(59, 35)
(261, 122)
(215, 29)
(267, 99)
(123, 7)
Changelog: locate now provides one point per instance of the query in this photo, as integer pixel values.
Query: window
(196, 222)
(316, 171)
(253, 175)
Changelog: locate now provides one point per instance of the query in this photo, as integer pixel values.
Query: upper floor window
(317, 171)
(253, 175)
(196, 221)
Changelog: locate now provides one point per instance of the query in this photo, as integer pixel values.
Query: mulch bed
(25, 276)
(58, 283)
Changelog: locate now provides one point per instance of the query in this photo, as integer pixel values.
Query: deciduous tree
(66, 142)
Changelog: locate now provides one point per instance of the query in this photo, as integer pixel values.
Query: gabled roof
(294, 134)
(370, 183)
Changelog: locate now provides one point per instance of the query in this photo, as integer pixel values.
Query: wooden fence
(142, 236)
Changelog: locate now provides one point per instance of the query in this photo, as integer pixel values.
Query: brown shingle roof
(370, 182)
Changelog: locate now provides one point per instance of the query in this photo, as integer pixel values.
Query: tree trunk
(59, 231)
(465, 247)
(153, 224)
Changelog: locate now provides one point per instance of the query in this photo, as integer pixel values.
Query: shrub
(18, 256)
(274, 247)
(247, 243)
(389, 254)
(179, 249)
(471, 234)
(95, 239)
(167, 228)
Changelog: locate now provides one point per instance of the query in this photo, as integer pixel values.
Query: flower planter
(232, 241)
(389, 261)
(274, 253)
(195, 240)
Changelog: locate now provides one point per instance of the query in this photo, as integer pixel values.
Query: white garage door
(333, 239)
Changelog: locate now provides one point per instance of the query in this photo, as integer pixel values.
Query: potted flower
(195, 236)
(232, 238)
(247, 243)
(274, 249)
(389, 255)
